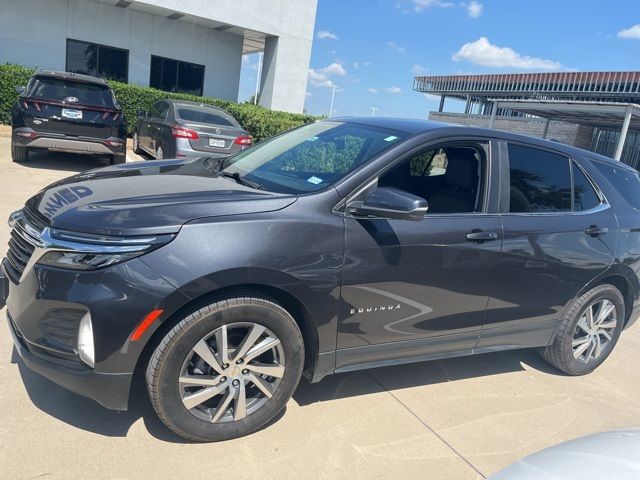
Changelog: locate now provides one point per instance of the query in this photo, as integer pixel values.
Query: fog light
(85, 341)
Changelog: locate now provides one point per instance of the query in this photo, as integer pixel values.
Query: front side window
(97, 60)
(311, 157)
(176, 76)
(540, 181)
(449, 178)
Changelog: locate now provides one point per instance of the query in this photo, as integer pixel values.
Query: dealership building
(193, 46)
(598, 111)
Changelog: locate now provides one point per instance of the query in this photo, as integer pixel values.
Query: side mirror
(19, 89)
(389, 202)
(141, 113)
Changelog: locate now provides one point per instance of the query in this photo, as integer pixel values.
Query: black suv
(67, 112)
(344, 244)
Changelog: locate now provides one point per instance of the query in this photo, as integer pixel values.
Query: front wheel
(588, 332)
(136, 144)
(159, 153)
(19, 154)
(226, 370)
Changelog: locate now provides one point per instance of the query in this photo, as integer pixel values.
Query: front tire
(19, 154)
(226, 370)
(588, 332)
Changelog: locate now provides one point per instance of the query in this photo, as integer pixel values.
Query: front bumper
(58, 142)
(43, 312)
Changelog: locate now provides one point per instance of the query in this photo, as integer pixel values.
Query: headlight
(79, 251)
(85, 341)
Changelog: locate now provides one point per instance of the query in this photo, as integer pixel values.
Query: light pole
(258, 77)
(333, 94)
(373, 111)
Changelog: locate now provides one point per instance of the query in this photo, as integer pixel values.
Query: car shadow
(88, 415)
(67, 162)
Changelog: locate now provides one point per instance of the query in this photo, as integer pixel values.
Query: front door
(421, 282)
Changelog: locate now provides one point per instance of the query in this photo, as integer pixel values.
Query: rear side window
(540, 181)
(67, 91)
(625, 181)
(584, 196)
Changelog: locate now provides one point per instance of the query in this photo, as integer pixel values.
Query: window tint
(584, 196)
(49, 88)
(176, 76)
(447, 177)
(205, 115)
(97, 60)
(540, 181)
(160, 110)
(625, 181)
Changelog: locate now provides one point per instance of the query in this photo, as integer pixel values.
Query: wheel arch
(624, 279)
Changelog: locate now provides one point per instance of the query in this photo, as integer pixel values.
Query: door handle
(479, 236)
(594, 230)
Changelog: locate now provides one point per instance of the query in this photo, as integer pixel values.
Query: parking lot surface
(461, 418)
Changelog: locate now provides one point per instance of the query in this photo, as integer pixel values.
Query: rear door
(155, 125)
(70, 108)
(558, 236)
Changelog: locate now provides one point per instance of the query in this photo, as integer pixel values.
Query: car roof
(415, 127)
(78, 77)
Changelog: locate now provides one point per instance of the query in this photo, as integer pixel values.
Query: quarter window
(624, 180)
(97, 60)
(540, 181)
(176, 76)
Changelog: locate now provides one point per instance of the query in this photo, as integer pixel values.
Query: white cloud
(474, 8)
(322, 77)
(631, 32)
(420, 5)
(396, 47)
(482, 52)
(418, 70)
(308, 94)
(372, 90)
(326, 35)
(393, 90)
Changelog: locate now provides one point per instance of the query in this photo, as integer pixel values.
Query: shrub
(260, 122)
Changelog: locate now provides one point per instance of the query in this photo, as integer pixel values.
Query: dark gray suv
(344, 244)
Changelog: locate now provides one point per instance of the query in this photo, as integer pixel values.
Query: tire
(136, 144)
(118, 159)
(19, 154)
(573, 330)
(159, 153)
(177, 357)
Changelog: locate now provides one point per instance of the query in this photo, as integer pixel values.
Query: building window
(176, 76)
(97, 60)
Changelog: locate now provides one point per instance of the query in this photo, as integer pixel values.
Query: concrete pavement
(461, 418)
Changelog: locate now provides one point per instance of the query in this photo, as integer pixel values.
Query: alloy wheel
(594, 331)
(231, 372)
(135, 141)
(159, 154)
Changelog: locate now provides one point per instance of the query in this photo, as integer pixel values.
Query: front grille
(35, 218)
(21, 246)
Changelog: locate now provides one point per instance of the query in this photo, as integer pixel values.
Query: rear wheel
(19, 154)
(588, 332)
(227, 369)
(136, 144)
(117, 159)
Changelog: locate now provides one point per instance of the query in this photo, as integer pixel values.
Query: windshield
(68, 91)
(311, 157)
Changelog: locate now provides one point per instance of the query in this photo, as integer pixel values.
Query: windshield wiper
(242, 181)
(215, 164)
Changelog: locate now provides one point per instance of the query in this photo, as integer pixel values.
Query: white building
(176, 45)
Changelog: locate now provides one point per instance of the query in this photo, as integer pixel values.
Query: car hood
(148, 197)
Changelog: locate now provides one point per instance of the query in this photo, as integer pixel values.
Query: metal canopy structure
(607, 115)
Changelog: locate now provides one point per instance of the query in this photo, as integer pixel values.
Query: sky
(372, 49)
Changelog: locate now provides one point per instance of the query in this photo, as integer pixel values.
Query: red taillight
(180, 132)
(245, 140)
(37, 105)
(25, 104)
(105, 115)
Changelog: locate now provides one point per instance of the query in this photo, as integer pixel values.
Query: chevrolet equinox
(344, 244)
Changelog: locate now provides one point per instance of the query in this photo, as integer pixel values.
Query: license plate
(216, 142)
(71, 113)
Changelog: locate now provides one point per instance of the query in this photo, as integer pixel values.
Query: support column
(494, 112)
(623, 133)
(546, 127)
(441, 107)
(468, 106)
